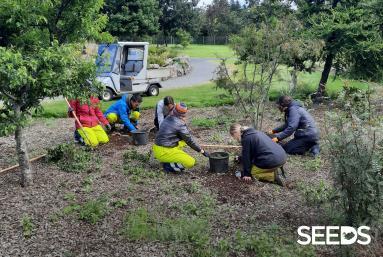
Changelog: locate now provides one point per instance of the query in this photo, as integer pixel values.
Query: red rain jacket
(89, 116)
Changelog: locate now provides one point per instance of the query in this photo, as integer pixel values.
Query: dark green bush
(73, 158)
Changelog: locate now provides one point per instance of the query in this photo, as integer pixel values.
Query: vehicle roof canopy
(132, 43)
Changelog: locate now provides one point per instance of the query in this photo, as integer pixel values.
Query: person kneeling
(125, 111)
(261, 157)
(172, 136)
(89, 132)
(300, 123)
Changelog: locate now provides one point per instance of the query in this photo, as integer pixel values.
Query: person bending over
(163, 108)
(261, 157)
(170, 140)
(300, 123)
(120, 112)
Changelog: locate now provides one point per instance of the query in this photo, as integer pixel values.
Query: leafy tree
(179, 14)
(132, 19)
(267, 11)
(38, 59)
(184, 37)
(352, 31)
(222, 18)
(259, 53)
(299, 53)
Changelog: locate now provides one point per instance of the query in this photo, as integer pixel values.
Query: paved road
(203, 70)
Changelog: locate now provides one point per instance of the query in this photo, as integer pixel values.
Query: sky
(204, 2)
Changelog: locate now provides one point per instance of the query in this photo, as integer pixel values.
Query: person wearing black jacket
(172, 136)
(261, 157)
(300, 123)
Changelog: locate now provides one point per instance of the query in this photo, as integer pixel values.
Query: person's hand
(247, 179)
(108, 127)
(275, 139)
(237, 159)
(271, 132)
(206, 154)
(70, 109)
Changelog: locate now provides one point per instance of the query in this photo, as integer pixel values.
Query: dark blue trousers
(300, 146)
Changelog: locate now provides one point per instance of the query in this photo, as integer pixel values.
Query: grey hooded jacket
(298, 122)
(173, 130)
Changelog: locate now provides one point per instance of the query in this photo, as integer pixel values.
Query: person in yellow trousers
(90, 116)
(125, 111)
(171, 138)
(261, 157)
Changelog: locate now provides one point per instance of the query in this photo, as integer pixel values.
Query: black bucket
(140, 137)
(219, 162)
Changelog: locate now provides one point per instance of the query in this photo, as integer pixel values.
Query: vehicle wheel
(153, 90)
(107, 95)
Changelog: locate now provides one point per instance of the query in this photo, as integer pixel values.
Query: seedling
(27, 226)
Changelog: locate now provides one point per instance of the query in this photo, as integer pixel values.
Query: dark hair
(136, 98)
(168, 100)
(284, 101)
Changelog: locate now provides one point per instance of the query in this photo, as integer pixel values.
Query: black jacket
(297, 120)
(258, 149)
(173, 130)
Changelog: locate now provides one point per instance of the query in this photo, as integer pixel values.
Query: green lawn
(197, 96)
(207, 95)
(206, 51)
(307, 82)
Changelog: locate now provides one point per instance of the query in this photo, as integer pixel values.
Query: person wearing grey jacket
(172, 136)
(300, 123)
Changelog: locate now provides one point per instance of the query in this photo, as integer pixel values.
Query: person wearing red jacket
(90, 116)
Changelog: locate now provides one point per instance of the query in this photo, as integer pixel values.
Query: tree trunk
(294, 80)
(22, 154)
(325, 74)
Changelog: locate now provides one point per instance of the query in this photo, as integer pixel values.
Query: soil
(240, 205)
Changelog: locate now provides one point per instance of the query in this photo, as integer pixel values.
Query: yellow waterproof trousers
(94, 136)
(173, 155)
(264, 174)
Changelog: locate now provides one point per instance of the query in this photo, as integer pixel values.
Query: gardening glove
(206, 154)
(238, 159)
(70, 109)
(108, 127)
(275, 139)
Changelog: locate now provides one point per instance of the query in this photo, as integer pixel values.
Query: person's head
(169, 102)
(284, 102)
(236, 131)
(180, 110)
(135, 101)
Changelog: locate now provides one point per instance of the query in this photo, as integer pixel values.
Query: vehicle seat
(132, 68)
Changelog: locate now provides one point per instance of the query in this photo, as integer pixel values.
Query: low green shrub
(141, 225)
(134, 155)
(94, 210)
(313, 164)
(270, 242)
(74, 159)
(316, 194)
(27, 226)
(160, 54)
